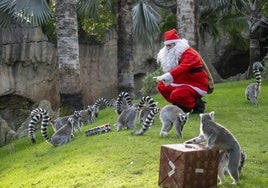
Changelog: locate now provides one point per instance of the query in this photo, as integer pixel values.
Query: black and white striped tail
(119, 101)
(31, 127)
(98, 103)
(257, 74)
(149, 100)
(148, 122)
(257, 69)
(45, 120)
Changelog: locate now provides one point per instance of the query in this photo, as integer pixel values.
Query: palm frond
(5, 19)
(4, 5)
(145, 22)
(33, 11)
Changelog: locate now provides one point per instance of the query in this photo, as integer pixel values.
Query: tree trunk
(254, 20)
(186, 21)
(254, 54)
(124, 45)
(68, 55)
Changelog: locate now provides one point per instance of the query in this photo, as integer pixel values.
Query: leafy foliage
(235, 19)
(95, 17)
(149, 83)
(218, 23)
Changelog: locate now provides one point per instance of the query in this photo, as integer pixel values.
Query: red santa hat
(171, 36)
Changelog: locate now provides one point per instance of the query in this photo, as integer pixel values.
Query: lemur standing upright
(60, 121)
(253, 90)
(232, 157)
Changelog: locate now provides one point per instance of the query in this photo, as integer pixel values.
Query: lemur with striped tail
(60, 121)
(253, 90)
(147, 114)
(172, 115)
(87, 115)
(145, 109)
(94, 109)
(127, 111)
(147, 123)
(232, 157)
(60, 137)
(127, 118)
(122, 102)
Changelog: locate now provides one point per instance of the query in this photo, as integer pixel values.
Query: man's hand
(159, 78)
(166, 78)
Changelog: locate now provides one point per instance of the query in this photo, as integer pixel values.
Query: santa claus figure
(185, 80)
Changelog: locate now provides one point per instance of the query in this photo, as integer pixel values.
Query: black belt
(195, 70)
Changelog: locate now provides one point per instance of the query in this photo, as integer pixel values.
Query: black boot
(184, 109)
(199, 106)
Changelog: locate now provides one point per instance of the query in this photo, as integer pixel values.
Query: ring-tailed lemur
(61, 136)
(98, 103)
(147, 114)
(127, 118)
(145, 109)
(64, 134)
(148, 122)
(92, 111)
(172, 115)
(60, 121)
(119, 103)
(232, 156)
(253, 90)
(87, 115)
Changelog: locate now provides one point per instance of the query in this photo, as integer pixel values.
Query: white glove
(166, 78)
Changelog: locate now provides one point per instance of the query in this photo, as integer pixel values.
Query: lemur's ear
(211, 114)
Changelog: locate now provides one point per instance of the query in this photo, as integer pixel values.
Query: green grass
(118, 159)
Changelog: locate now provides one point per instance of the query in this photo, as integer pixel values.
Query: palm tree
(186, 21)
(68, 55)
(249, 13)
(124, 48)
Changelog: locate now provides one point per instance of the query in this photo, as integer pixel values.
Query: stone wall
(27, 64)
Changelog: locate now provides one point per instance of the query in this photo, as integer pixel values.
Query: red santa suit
(185, 79)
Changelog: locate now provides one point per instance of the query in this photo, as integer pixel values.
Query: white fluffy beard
(168, 59)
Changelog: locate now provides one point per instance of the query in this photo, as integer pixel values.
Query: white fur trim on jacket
(166, 78)
(171, 41)
(198, 90)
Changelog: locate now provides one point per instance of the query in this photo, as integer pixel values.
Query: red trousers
(183, 95)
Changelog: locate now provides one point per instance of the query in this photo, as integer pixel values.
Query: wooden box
(188, 166)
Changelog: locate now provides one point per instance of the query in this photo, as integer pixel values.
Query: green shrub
(149, 83)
